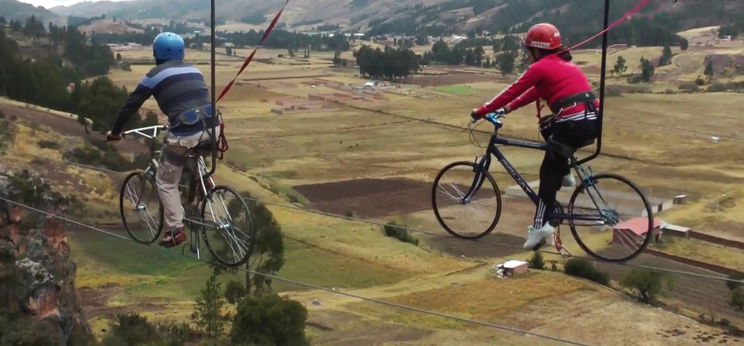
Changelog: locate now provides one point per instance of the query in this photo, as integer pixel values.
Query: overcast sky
(53, 3)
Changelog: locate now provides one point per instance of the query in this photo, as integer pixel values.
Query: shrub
(48, 145)
(234, 292)
(269, 320)
(537, 261)
(131, 329)
(717, 87)
(732, 285)
(554, 267)
(648, 284)
(585, 269)
(688, 87)
(613, 91)
(392, 229)
(737, 299)
(699, 81)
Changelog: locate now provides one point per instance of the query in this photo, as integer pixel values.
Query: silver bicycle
(224, 219)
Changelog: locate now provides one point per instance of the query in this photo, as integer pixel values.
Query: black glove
(474, 114)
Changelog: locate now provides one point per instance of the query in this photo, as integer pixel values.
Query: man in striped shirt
(182, 95)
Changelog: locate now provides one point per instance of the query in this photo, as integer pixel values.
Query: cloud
(53, 3)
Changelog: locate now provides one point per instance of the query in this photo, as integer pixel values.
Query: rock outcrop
(38, 300)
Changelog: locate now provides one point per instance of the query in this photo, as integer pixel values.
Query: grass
(484, 299)
(703, 251)
(455, 89)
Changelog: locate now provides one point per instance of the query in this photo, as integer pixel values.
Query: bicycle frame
(485, 162)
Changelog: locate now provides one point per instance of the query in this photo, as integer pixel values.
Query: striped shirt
(177, 87)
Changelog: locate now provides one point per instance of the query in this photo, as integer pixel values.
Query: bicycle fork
(480, 169)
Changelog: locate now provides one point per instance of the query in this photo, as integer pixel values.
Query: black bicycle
(609, 216)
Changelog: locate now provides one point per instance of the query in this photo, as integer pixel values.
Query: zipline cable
(310, 285)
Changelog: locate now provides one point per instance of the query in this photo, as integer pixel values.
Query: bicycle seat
(202, 148)
(565, 149)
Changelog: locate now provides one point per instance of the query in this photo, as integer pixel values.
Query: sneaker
(568, 180)
(173, 238)
(539, 237)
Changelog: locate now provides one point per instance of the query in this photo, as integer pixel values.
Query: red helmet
(543, 36)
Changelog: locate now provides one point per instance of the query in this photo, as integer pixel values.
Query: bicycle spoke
(608, 219)
(452, 187)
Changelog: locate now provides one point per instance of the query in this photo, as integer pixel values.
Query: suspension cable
(310, 285)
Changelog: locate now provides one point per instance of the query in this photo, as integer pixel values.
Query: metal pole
(602, 77)
(214, 86)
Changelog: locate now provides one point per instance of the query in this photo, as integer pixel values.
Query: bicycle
(609, 216)
(225, 221)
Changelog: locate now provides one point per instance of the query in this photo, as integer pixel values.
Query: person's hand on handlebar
(111, 137)
(499, 113)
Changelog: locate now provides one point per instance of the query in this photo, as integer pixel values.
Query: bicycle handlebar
(141, 131)
(493, 118)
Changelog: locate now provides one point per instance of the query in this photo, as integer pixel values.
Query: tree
(647, 70)
(648, 284)
(737, 299)
(269, 320)
(208, 312)
(506, 63)
(620, 66)
(268, 250)
(537, 261)
(709, 68)
(683, 44)
(666, 56)
(234, 292)
(337, 61)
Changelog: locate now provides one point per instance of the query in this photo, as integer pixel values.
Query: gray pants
(175, 153)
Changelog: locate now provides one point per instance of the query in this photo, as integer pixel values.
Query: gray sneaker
(538, 237)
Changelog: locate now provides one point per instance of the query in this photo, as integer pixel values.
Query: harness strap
(586, 98)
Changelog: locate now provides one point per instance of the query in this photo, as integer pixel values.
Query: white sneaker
(536, 237)
(568, 180)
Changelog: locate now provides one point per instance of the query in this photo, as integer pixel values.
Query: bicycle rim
(227, 226)
(611, 219)
(140, 208)
(469, 219)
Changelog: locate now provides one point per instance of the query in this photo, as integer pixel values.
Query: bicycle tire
(217, 211)
(620, 236)
(138, 197)
(441, 208)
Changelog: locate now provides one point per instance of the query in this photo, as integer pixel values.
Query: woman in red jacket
(554, 78)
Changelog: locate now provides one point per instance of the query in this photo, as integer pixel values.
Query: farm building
(634, 230)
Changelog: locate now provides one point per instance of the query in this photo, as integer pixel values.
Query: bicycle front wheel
(227, 226)
(466, 200)
(610, 218)
(140, 208)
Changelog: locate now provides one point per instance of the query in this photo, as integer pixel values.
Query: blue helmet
(168, 46)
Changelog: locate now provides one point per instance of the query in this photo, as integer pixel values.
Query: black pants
(555, 166)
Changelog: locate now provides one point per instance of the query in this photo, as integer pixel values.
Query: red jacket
(550, 78)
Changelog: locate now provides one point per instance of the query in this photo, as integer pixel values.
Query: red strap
(250, 57)
(637, 8)
(539, 107)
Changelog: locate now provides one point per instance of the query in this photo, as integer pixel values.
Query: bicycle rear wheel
(140, 208)
(227, 226)
(610, 218)
(468, 218)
